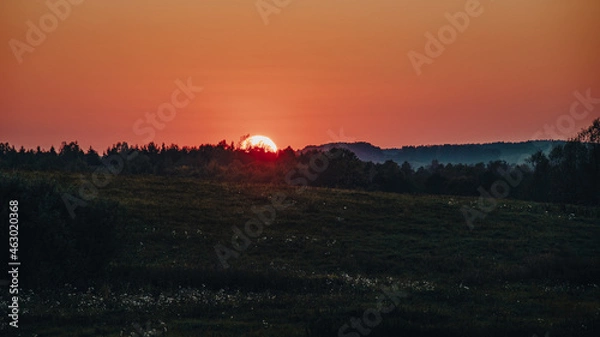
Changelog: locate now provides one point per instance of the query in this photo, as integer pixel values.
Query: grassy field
(325, 261)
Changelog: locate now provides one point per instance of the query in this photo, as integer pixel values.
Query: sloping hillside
(325, 259)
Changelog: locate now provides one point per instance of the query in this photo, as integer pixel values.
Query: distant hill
(417, 156)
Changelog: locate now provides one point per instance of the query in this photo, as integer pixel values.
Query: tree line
(570, 173)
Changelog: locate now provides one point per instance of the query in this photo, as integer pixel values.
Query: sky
(298, 71)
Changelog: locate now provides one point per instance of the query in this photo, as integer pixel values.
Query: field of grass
(325, 260)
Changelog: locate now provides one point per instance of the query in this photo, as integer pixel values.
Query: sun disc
(259, 141)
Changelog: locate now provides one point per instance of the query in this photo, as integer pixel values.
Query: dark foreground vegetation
(214, 241)
(149, 264)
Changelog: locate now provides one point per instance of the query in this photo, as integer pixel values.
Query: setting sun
(259, 141)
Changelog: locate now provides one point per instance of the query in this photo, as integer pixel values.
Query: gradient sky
(317, 65)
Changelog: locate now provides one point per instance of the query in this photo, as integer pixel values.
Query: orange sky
(317, 65)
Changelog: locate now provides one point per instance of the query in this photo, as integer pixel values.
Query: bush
(54, 248)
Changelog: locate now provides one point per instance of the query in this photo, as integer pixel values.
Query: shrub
(54, 248)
